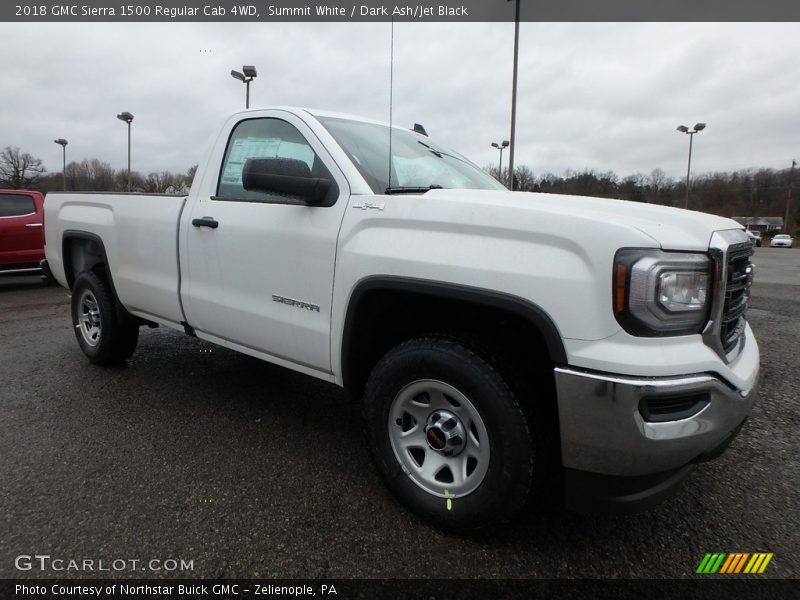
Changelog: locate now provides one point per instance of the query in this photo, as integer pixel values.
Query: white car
(781, 241)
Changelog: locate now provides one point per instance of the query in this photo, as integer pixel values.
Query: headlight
(661, 293)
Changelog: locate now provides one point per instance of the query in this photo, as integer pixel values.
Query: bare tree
(189, 177)
(19, 169)
(160, 183)
(91, 176)
(102, 175)
(524, 179)
(137, 181)
(494, 171)
(632, 187)
(656, 182)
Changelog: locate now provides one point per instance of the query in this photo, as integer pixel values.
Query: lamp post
(501, 146)
(514, 99)
(127, 118)
(789, 199)
(63, 143)
(683, 129)
(246, 76)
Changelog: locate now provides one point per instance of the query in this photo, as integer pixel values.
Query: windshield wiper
(412, 190)
(432, 151)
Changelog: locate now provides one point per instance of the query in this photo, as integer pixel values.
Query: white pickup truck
(506, 346)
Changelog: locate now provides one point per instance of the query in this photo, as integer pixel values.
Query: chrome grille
(737, 293)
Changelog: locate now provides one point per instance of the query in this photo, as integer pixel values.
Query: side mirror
(284, 176)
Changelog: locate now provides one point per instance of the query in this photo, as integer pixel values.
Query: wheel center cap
(436, 438)
(445, 433)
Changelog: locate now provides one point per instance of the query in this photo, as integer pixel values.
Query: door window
(265, 138)
(16, 205)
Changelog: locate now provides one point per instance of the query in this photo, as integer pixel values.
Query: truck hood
(670, 228)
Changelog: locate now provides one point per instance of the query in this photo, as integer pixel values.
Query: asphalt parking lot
(194, 452)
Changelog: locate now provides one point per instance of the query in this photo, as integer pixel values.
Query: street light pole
(683, 129)
(514, 100)
(688, 169)
(789, 199)
(127, 118)
(501, 146)
(63, 143)
(246, 76)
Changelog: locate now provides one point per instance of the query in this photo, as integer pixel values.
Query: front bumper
(617, 458)
(594, 493)
(604, 429)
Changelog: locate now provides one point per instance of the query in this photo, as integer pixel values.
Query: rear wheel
(448, 435)
(104, 335)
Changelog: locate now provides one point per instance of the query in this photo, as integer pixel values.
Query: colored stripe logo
(734, 563)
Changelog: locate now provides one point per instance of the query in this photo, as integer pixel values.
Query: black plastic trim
(45, 267)
(594, 493)
(188, 329)
(720, 448)
(513, 304)
(73, 234)
(287, 201)
(691, 404)
(205, 222)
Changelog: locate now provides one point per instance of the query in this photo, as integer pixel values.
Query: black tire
(506, 483)
(116, 335)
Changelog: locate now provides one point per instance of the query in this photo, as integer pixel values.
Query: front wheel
(448, 435)
(105, 336)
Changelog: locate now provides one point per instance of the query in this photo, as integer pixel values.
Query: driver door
(262, 277)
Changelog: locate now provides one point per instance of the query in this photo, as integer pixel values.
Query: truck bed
(140, 235)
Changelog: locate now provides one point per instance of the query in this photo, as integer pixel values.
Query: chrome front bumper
(603, 430)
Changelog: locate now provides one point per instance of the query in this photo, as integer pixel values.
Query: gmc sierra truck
(507, 347)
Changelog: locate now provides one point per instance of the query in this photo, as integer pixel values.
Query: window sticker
(244, 148)
(251, 147)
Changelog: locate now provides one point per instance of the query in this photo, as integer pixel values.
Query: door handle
(33, 224)
(206, 222)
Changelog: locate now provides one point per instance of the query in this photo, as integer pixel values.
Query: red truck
(21, 231)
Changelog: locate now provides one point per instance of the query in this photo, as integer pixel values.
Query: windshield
(418, 163)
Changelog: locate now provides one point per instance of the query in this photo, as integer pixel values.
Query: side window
(265, 138)
(13, 205)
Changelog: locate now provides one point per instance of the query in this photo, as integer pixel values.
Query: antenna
(391, 98)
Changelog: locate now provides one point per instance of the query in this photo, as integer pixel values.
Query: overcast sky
(593, 95)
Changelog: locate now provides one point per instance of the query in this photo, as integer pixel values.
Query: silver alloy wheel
(439, 438)
(89, 318)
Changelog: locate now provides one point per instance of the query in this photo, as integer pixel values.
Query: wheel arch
(397, 299)
(85, 251)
